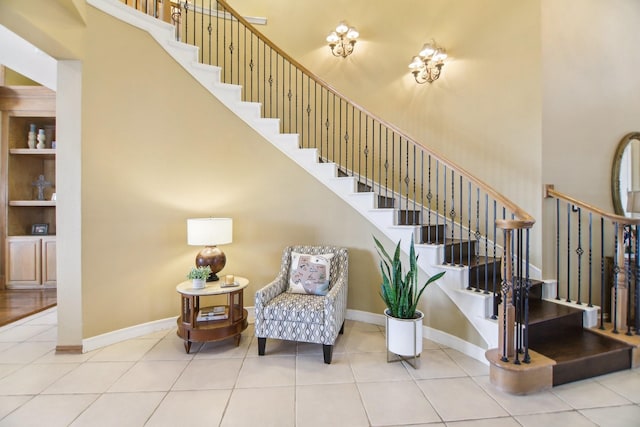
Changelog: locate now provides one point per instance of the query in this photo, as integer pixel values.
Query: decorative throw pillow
(310, 274)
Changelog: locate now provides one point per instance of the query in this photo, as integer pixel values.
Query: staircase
(419, 195)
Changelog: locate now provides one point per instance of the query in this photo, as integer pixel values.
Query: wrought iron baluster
(602, 273)
(616, 270)
(558, 249)
(590, 302)
(568, 299)
(579, 252)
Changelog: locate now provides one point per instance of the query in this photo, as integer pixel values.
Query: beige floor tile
(190, 408)
(614, 416)
(26, 352)
(33, 379)
(50, 334)
(52, 410)
(217, 380)
(52, 357)
(126, 351)
(5, 346)
(436, 364)
(556, 419)
(374, 367)
(120, 409)
(329, 405)
(46, 317)
(89, 377)
(225, 349)
(625, 383)
(264, 407)
(23, 332)
(159, 335)
(470, 365)
(536, 403)
(273, 348)
(363, 341)
(488, 422)
(6, 369)
(350, 325)
(312, 370)
(267, 371)
(149, 376)
(9, 404)
(588, 394)
(398, 402)
(310, 349)
(209, 374)
(457, 399)
(428, 344)
(169, 349)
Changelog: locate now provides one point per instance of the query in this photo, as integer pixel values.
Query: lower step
(584, 354)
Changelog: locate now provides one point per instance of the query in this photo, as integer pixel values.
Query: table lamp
(209, 232)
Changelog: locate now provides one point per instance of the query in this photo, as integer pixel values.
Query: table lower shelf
(214, 330)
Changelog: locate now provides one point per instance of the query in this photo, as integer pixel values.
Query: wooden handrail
(526, 220)
(550, 192)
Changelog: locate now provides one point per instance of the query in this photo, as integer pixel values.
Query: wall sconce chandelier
(342, 40)
(427, 66)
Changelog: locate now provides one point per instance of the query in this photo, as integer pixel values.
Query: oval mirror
(625, 176)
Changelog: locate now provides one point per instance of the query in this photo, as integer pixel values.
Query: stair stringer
(473, 305)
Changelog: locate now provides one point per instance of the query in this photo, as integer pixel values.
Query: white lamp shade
(209, 231)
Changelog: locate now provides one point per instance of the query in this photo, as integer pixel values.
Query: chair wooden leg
(327, 350)
(341, 329)
(262, 342)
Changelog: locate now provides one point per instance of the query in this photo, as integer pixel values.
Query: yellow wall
(156, 150)
(590, 96)
(177, 153)
(484, 113)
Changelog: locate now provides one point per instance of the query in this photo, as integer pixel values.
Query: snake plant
(399, 290)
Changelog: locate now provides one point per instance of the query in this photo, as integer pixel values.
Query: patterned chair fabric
(299, 317)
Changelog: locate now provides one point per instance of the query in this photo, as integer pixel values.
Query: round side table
(193, 330)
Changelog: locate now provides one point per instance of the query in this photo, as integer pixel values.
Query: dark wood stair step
(583, 354)
(432, 234)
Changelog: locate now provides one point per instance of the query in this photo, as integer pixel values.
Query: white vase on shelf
(41, 139)
(31, 141)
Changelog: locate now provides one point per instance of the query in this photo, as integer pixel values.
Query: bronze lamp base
(214, 258)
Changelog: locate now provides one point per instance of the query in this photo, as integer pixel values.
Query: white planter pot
(198, 283)
(404, 336)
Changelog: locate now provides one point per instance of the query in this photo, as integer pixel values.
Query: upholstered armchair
(283, 314)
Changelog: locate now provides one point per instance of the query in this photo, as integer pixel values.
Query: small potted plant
(199, 275)
(401, 293)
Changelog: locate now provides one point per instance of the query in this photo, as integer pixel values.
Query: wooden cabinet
(28, 174)
(31, 261)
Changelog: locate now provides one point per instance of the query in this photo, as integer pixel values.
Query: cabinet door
(23, 261)
(49, 261)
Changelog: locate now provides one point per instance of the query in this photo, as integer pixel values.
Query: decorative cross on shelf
(41, 184)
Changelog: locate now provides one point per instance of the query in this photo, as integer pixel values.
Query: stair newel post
(506, 321)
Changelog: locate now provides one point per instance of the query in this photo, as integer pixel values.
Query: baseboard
(143, 329)
(99, 341)
(68, 349)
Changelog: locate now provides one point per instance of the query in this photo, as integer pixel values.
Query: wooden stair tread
(543, 311)
(579, 345)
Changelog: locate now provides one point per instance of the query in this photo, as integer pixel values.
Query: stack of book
(218, 312)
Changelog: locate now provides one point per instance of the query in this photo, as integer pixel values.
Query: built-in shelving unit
(29, 224)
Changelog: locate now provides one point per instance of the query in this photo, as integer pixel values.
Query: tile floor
(150, 381)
